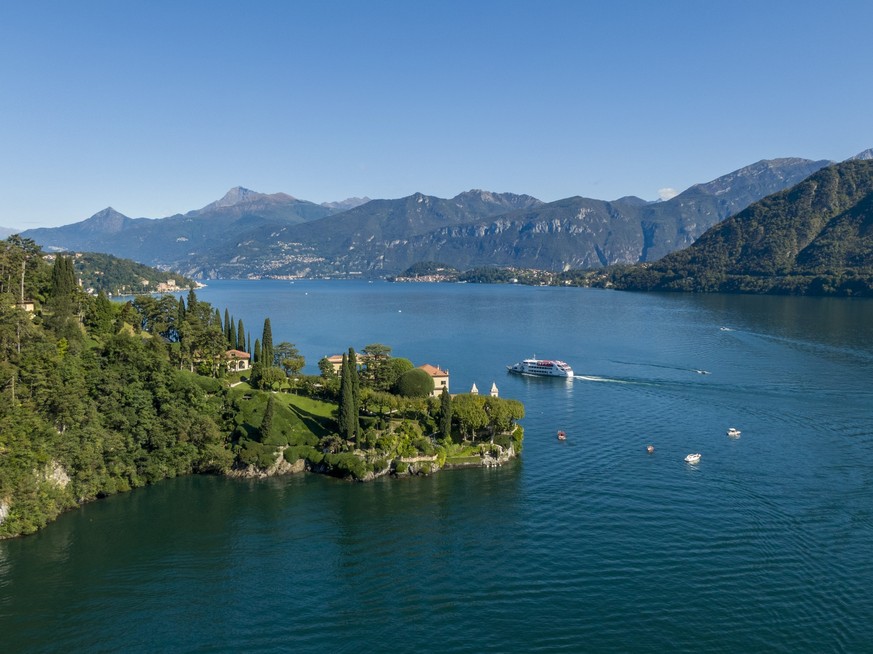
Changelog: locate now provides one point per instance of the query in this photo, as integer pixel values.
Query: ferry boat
(542, 368)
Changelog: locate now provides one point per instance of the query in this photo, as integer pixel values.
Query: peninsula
(100, 397)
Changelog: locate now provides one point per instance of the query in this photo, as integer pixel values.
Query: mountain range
(815, 238)
(250, 234)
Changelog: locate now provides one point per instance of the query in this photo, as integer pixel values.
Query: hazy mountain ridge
(577, 232)
(251, 234)
(170, 242)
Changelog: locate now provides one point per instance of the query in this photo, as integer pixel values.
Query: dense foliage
(813, 239)
(99, 397)
(414, 383)
(115, 276)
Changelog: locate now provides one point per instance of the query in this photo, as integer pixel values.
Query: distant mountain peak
(240, 195)
(108, 211)
(236, 195)
(348, 203)
(107, 220)
(756, 174)
(862, 156)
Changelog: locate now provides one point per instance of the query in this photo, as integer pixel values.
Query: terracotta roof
(433, 371)
(237, 354)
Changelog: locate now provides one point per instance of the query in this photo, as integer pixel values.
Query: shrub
(345, 464)
(414, 383)
(294, 453)
(424, 446)
(256, 454)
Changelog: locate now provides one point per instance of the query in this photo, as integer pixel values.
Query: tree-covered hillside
(815, 238)
(99, 397)
(115, 276)
(91, 405)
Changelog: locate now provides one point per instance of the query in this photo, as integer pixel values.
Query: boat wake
(699, 371)
(607, 380)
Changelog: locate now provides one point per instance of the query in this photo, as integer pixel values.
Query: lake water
(591, 544)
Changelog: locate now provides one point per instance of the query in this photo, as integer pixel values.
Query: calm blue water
(587, 545)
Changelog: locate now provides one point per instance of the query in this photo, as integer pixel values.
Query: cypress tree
(231, 339)
(345, 398)
(61, 294)
(249, 346)
(216, 319)
(241, 337)
(267, 422)
(355, 385)
(227, 324)
(63, 278)
(445, 415)
(103, 313)
(256, 355)
(180, 312)
(267, 345)
(192, 299)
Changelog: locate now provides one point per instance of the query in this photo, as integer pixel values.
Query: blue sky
(160, 107)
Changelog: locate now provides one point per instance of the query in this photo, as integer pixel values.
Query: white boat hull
(542, 368)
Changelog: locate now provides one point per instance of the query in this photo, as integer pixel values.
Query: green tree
(396, 367)
(502, 413)
(192, 299)
(102, 315)
(267, 345)
(326, 368)
(267, 422)
(232, 340)
(356, 386)
(346, 401)
(469, 412)
(241, 337)
(348, 419)
(377, 368)
(62, 300)
(445, 414)
(414, 383)
(289, 358)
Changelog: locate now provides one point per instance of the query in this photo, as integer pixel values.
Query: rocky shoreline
(490, 456)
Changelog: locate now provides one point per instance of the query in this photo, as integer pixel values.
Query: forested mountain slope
(816, 238)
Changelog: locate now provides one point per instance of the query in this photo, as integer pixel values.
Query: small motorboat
(693, 458)
(650, 448)
(733, 432)
(562, 436)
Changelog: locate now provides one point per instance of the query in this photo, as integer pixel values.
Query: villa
(440, 379)
(237, 360)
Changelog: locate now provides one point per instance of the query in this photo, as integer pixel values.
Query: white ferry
(542, 368)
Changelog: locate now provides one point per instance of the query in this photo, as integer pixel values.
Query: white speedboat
(733, 432)
(692, 458)
(542, 368)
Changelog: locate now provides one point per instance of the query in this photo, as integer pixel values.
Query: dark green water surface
(587, 545)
